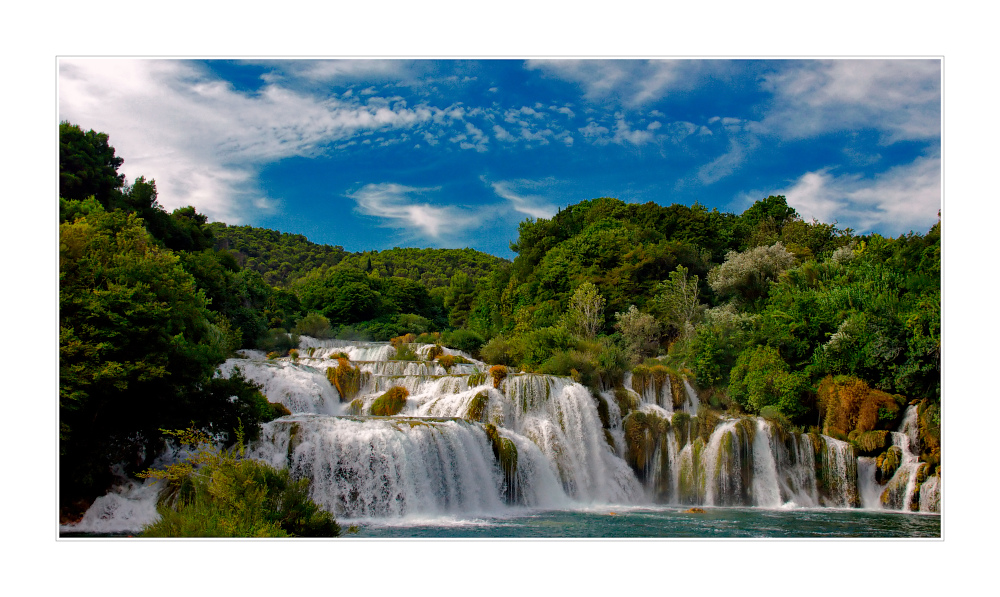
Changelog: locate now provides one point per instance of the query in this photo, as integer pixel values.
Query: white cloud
(501, 133)
(536, 206)
(740, 146)
(900, 98)
(395, 206)
(901, 199)
(203, 141)
(633, 82)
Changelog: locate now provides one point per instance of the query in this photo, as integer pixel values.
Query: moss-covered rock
(505, 453)
(434, 352)
(477, 406)
(871, 443)
(277, 409)
(390, 403)
(477, 379)
(886, 464)
(627, 401)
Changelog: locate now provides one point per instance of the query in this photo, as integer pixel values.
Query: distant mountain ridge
(283, 258)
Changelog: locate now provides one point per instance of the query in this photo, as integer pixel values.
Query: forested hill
(282, 258)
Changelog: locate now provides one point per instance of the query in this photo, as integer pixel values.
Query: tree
(585, 315)
(640, 333)
(677, 301)
(137, 351)
(761, 378)
(87, 165)
(747, 276)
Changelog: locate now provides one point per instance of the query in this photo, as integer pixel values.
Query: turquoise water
(663, 523)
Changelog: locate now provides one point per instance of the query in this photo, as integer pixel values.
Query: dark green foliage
(280, 258)
(138, 348)
(464, 340)
(278, 340)
(761, 378)
(313, 325)
(88, 166)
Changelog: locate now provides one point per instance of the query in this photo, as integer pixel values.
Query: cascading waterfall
(464, 444)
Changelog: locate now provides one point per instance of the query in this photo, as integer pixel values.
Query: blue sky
(371, 154)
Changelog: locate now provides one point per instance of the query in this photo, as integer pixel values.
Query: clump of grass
(405, 352)
(390, 403)
(346, 378)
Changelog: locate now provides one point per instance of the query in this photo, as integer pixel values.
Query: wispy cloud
(901, 199)
(900, 98)
(631, 82)
(398, 206)
(204, 141)
(519, 194)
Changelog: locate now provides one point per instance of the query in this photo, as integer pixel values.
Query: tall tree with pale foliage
(585, 315)
(677, 301)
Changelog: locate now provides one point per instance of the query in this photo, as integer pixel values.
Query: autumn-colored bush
(498, 373)
(400, 340)
(345, 378)
(848, 404)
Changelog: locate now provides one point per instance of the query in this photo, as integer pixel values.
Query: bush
(848, 404)
(498, 373)
(345, 378)
(449, 360)
(761, 378)
(500, 351)
(278, 340)
(390, 403)
(314, 325)
(218, 493)
(465, 340)
(404, 352)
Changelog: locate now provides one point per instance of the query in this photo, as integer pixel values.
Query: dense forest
(767, 314)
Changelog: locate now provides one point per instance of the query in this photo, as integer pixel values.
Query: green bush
(219, 493)
(278, 340)
(465, 340)
(390, 403)
(314, 325)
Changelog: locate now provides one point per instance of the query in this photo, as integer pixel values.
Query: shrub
(314, 325)
(278, 340)
(219, 493)
(449, 360)
(293, 354)
(464, 340)
(847, 403)
(345, 378)
(500, 351)
(498, 373)
(278, 409)
(761, 378)
(390, 403)
(434, 351)
(404, 352)
(401, 340)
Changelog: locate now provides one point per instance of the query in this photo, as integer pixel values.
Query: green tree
(640, 333)
(747, 276)
(585, 315)
(137, 350)
(88, 166)
(761, 378)
(677, 302)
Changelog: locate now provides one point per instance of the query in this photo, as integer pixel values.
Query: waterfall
(467, 445)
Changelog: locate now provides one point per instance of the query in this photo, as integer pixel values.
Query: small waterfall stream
(565, 446)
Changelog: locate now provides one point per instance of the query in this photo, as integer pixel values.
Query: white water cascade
(441, 454)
